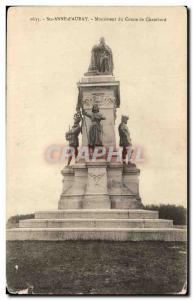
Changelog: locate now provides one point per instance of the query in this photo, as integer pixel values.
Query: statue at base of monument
(95, 130)
(101, 59)
(72, 135)
(125, 140)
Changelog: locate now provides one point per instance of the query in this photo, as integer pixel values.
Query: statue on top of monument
(95, 130)
(101, 59)
(72, 135)
(125, 139)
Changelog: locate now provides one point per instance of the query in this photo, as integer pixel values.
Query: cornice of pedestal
(98, 84)
(67, 170)
(131, 171)
(98, 79)
(97, 164)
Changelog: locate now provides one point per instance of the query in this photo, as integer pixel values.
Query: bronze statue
(125, 140)
(101, 59)
(72, 135)
(95, 130)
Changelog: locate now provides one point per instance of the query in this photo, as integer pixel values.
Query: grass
(96, 267)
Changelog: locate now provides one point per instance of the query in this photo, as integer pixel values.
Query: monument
(100, 197)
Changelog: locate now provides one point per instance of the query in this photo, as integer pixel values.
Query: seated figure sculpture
(101, 59)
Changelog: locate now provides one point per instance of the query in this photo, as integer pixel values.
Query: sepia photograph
(96, 146)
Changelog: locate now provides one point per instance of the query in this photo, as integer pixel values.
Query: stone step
(113, 234)
(96, 223)
(97, 214)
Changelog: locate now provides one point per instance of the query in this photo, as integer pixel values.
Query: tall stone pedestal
(104, 91)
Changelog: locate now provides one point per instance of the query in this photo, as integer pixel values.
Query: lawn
(96, 267)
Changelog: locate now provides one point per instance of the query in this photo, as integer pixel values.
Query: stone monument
(100, 184)
(100, 198)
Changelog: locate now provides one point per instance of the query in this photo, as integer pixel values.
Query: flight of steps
(97, 224)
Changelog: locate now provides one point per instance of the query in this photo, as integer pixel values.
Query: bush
(172, 212)
(13, 222)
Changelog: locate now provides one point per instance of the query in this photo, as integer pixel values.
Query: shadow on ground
(96, 267)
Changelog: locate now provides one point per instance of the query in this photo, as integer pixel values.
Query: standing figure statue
(101, 59)
(72, 135)
(95, 130)
(125, 140)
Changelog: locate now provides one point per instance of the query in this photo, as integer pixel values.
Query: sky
(46, 59)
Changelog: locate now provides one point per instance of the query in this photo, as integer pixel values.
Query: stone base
(123, 202)
(96, 223)
(70, 202)
(100, 185)
(102, 224)
(112, 234)
(97, 214)
(96, 201)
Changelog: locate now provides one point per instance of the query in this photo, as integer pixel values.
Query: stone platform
(100, 185)
(99, 201)
(94, 224)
